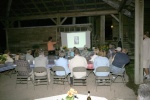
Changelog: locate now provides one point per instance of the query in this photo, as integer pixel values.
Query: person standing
(146, 54)
(50, 46)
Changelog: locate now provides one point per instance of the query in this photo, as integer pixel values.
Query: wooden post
(139, 15)
(102, 29)
(120, 28)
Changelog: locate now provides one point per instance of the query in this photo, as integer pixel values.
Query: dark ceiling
(31, 8)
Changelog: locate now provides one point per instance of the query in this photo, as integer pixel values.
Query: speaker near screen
(76, 39)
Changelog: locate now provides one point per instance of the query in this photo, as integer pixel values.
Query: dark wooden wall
(24, 38)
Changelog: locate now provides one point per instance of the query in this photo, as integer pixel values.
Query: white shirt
(77, 61)
(29, 57)
(41, 61)
(93, 57)
(146, 49)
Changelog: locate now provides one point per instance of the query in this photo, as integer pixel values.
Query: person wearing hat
(62, 62)
(119, 60)
(42, 61)
(118, 49)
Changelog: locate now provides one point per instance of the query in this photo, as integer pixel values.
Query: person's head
(146, 34)
(102, 53)
(96, 50)
(85, 47)
(124, 50)
(29, 51)
(144, 92)
(74, 48)
(76, 51)
(111, 46)
(61, 53)
(41, 52)
(118, 49)
(50, 38)
(7, 52)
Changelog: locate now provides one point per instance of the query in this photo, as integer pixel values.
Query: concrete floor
(118, 91)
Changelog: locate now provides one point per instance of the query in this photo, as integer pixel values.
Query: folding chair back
(58, 68)
(102, 80)
(103, 69)
(59, 79)
(79, 69)
(80, 81)
(122, 75)
(22, 75)
(40, 76)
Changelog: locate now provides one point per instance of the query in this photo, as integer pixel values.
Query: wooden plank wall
(24, 38)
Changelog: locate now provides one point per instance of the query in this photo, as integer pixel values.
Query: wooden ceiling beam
(121, 6)
(45, 5)
(36, 6)
(8, 8)
(26, 6)
(63, 5)
(85, 5)
(73, 14)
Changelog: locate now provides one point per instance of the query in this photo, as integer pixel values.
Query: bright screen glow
(76, 39)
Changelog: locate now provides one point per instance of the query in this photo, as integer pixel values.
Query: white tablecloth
(80, 97)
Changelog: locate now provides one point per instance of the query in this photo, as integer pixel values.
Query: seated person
(29, 57)
(144, 92)
(8, 58)
(77, 61)
(41, 61)
(23, 63)
(111, 51)
(119, 59)
(62, 62)
(96, 51)
(85, 53)
(99, 61)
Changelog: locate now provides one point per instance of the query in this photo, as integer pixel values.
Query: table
(80, 97)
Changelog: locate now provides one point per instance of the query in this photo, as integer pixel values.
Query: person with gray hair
(144, 92)
(42, 61)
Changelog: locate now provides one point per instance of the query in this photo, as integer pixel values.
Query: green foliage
(3, 58)
(130, 73)
(104, 48)
(35, 46)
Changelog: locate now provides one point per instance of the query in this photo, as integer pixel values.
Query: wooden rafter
(62, 1)
(122, 4)
(8, 8)
(72, 14)
(63, 20)
(85, 5)
(26, 6)
(45, 5)
(36, 6)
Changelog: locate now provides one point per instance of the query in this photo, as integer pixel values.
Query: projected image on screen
(76, 40)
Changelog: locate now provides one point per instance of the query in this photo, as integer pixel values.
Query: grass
(130, 73)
